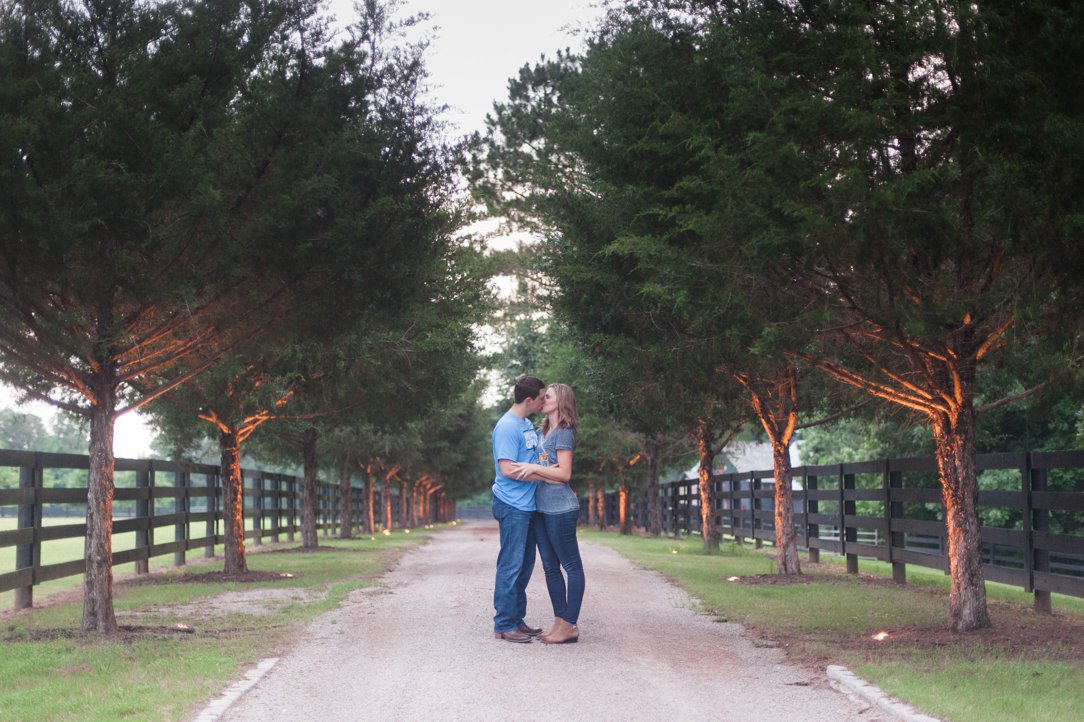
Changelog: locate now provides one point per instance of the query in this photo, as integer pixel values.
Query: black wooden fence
(171, 508)
(1032, 507)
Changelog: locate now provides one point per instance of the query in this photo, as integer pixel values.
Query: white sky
(475, 47)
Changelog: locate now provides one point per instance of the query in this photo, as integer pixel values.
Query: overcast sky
(477, 45)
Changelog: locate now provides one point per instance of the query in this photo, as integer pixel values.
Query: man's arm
(507, 467)
(559, 474)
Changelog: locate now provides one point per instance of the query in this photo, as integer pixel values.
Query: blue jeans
(515, 562)
(558, 548)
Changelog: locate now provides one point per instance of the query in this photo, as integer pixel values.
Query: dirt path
(420, 646)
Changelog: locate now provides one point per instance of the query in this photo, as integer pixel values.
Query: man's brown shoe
(513, 636)
(530, 631)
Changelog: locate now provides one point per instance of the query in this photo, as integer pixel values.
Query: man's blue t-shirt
(514, 439)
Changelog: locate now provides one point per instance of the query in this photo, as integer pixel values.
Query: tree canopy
(877, 191)
(188, 179)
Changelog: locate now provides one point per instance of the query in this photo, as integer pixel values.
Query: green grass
(1022, 668)
(955, 689)
(51, 671)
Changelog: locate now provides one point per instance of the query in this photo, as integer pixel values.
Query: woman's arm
(559, 474)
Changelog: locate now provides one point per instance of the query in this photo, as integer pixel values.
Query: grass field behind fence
(66, 550)
(1020, 669)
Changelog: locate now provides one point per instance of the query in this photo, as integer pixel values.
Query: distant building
(745, 456)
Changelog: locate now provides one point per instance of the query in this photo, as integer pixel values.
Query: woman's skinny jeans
(556, 537)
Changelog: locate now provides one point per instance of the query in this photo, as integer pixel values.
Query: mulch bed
(781, 580)
(210, 578)
(303, 550)
(125, 634)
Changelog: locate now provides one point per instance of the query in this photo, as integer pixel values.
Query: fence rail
(172, 508)
(891, 510)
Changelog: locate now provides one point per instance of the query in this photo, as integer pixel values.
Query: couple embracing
(535, 507)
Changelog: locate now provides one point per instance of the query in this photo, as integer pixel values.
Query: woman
(558, 511)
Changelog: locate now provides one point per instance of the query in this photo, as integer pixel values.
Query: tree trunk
(233, 502)
(308, 491)
(624, 517)
(404, 503)
(707, 505)
(654, 503)
(777, 410)
(346, 505)
(370, 494)
(954, 440)
(416, 504)
(786, 541)
(948, 402)
(601, 503)
(387, 502)
(98, 614)
(592, 514)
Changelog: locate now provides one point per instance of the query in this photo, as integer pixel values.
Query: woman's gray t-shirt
(556, 498)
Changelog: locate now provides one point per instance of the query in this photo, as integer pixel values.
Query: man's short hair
(527, 387)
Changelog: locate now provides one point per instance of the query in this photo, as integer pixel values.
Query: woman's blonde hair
(567, 417)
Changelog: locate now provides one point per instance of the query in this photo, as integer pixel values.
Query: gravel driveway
(420, 647)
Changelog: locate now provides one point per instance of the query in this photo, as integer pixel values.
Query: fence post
(734, 499)
(812, 531)
(684, 518)
(294, 506)
(754, 486)
(276, 506)
(716, 505)
(668, 510)
(893, 510)
(1039, 522)
(726, 501)
(1027, 521)
(847, 534)
(143, 511)
(181, 483)
(357, 507)
(214, 490)
(28, 555)
(323, 503)
(682, 511)
(257, 509)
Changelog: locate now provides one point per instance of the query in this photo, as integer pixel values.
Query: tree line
(770, 213)
(243, 220)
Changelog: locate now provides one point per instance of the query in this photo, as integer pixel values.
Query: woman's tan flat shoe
(553, 628)
(562, 633)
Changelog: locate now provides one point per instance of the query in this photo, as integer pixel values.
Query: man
(514, 440)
